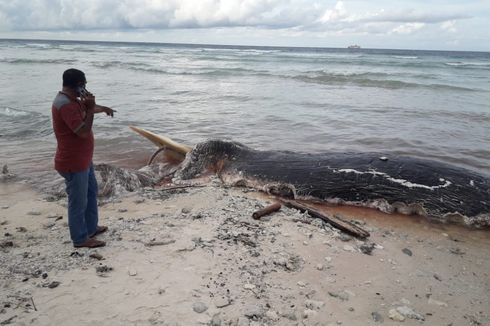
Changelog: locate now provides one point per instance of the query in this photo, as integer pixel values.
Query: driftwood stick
(336, 222)
(266, 211)
(33, 304)
(182, 187)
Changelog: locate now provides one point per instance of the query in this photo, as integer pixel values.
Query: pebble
(409, 313)
(308, 313)
(272, 315)
(301, 284)
(221, 302)
(367, 248)
(199, 307)
(242, 321)
(34, 213)
(122, 210)
(254, 311)
(53, 284)
(249, 286)
(349, 248)
(314, 305)
(377, 317)
(319, 267)
(132, 272)
(5, 207)
(216, 321)
(344, 296)
(395, 315)
(407, 251)
(437, 303)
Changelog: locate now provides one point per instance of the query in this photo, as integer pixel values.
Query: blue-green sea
(428, 104)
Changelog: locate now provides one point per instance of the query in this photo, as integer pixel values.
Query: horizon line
(234, 45)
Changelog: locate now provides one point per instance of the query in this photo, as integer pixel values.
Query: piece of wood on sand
(336, 222)
(266, 211)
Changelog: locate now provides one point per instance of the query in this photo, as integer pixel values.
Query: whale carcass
(392, 184)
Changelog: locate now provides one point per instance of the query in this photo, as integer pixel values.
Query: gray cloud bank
(69, 15)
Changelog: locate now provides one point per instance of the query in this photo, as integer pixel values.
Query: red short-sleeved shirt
(73, 153)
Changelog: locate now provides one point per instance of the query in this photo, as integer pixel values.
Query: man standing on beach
(73, 114)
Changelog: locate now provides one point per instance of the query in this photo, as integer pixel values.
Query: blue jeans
(83, 215)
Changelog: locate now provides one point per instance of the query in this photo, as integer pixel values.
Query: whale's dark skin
(438, 190)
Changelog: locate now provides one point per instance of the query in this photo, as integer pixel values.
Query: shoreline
(195, 256)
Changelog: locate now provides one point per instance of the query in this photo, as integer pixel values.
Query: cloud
(305, 15)
(408, 28)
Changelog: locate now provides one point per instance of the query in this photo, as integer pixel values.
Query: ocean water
(427, 104)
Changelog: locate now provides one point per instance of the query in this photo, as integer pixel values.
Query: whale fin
(180, 150)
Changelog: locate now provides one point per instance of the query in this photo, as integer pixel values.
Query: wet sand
(195, 256)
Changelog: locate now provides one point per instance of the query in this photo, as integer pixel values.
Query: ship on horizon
(354, 46)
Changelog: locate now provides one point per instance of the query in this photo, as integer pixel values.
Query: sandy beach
(195, 256)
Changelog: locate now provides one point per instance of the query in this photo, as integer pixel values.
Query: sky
(416, 24)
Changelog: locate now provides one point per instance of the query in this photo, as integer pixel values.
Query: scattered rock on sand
(254, 311)
(407, 252)
(408, 312)
(377, 317)
(222, 302)
(344, 296)
(395, 315)
(367, 248)
(34, 213)
(314, 305)
(199, 307)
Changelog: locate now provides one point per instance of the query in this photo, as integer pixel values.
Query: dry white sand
(196, 257)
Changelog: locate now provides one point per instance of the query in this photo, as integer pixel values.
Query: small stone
(96, 255)
(383, 158)
(254, 311)
(291, 315)
(437, 303)
(216, 321)
(319, 267)
(349, 248)
(367, 248)
(344, 296)
(53, 284)
(103, 269)
(132, 272)
(199, 307)
(314, 305)
(139, 201)
(5, 207)
(305, 243)
(328, 259)
(377, 317)
(407, 251)
(308, 313)
(185, 210)
(437, 277)
(248, 286)
(34, 213)
(272, 315)
(122, 210)
(395, 315)
(242, 321)
(345, 237)
(301, 284)
(21, 229)
(409, 313)
(222, 302)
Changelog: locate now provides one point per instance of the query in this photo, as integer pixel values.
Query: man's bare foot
(90, 243)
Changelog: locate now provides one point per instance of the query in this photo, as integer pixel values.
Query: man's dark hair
(72, 77)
